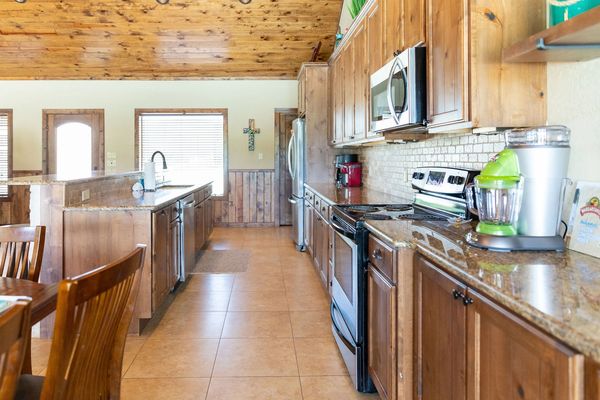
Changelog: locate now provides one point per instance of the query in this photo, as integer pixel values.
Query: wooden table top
(43, 296)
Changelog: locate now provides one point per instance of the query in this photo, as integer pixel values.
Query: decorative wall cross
(251, 131)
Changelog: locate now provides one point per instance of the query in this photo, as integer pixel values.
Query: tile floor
(261, 334)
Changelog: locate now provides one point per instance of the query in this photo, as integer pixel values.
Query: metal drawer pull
(377, 254)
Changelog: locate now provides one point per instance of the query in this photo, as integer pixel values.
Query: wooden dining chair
(14, 335)
(21, 250)
(93, 314)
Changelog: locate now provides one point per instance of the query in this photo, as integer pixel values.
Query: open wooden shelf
(577, 39)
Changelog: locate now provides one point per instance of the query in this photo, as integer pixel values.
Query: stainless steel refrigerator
(297, 168)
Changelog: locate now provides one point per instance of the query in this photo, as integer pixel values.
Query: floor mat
(222, 261)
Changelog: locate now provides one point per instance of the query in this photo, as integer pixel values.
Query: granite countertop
(65, 179)
(148, 201)
(355, 195)
(558, 292)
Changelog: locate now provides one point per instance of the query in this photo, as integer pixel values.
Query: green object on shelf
(563, 10)
(355, 6)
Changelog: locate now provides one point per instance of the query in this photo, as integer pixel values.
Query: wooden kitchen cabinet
(337, 94)
(382, 333)
(302, 93)
(509, 358)
(347, 57)
(414, 23)
(440, 334)
(447, 74)
(393, 38)
(468, 84)
(375, 36)
(591, 380)
(160, 256)
(469, 347)
(361, 82)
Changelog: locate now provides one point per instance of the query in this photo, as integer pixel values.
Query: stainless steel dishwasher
(187, 251)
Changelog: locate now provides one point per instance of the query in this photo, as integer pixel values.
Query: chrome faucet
(163, 158)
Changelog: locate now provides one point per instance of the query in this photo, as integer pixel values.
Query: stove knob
(451, 179)
(459, 180)
(415, 175)
(421, 175)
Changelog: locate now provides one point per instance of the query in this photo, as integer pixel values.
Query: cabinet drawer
(382, 257)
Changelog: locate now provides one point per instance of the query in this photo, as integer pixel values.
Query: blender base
(515, 243)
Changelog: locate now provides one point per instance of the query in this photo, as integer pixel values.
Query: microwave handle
(391, 105)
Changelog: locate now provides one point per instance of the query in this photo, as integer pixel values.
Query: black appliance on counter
(340, 160)
(440, 196)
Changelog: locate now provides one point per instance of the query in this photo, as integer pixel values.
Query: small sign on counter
(585, 219)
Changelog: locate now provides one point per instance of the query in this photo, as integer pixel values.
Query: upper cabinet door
(510, 359)
(348, 60)
(338, 100)
(361, 82)
(375, 38)
(447, 66)
(393, 38)
(414, 22)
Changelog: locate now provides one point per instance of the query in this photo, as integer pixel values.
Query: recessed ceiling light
(162, 1)
(245, 1)
(20, 1)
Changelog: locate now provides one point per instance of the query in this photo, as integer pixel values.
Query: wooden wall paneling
(505, 94)
(249, 201)
(181, 40)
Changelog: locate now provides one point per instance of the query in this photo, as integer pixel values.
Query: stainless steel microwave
(399, 92)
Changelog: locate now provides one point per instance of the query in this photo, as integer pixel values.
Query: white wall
(243, 98)
(574, 101)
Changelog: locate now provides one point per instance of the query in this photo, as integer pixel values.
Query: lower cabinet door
(510, 359)
(160, 257)
(199, 217)
(382, 333)
(440, 334)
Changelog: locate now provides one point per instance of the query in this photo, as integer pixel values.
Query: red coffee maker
(351, 174)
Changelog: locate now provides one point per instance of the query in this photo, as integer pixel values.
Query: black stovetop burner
(374, 216)
(399, 207)
(353, 214)
(362, 209)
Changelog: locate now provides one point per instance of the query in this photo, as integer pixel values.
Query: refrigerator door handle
(289, 156)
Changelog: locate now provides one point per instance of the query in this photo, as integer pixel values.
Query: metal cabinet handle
(466, 300)
(377, 254)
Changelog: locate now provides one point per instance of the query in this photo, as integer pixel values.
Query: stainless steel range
(439, 197)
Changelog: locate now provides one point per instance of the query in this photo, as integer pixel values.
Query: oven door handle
(346, 342)
(340, 229)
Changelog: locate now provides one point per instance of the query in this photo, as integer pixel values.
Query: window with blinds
(193, 144)
(5, 129)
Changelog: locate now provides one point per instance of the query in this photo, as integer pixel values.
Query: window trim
(222, 111)
(9, 113)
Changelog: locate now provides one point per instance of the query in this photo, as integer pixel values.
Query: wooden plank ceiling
(141, 39)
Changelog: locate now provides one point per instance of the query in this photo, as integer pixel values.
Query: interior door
(283, 128)
(73, 141)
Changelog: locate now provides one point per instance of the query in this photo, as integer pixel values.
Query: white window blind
(192, 144)
(4, 151)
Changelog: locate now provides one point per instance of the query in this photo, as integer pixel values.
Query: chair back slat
(14, 336)
(21, 251)
(93, 314)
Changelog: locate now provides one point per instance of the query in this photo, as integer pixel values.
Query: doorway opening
(283, 133)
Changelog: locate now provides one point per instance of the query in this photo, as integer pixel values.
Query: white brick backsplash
(384, 166)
